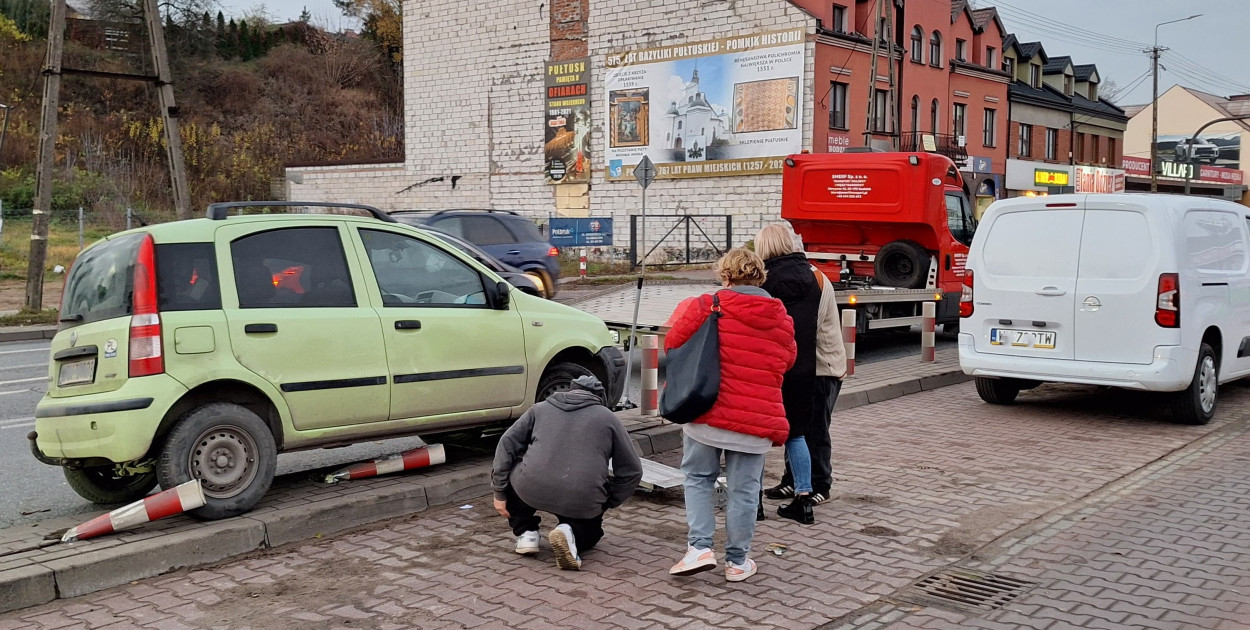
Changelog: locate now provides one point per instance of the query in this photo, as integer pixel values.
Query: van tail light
(965, 296)
(146, 357)
(1168, 307)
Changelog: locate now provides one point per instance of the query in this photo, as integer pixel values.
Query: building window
(1096, 153)
(1026, 141)
(1052, 144)
(961, 50)
(935, 49)
(881, 107)
(991, 60)
(837, 105)
(915, 113)
(933, 117)
(839, 18)
(1111, 156)
(917, 45)
(991, 122)
(1067, 84)
(1080, 148)
(958, 128)
(1035, 75)
(1009, 66)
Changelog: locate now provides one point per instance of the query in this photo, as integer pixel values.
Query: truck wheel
(559, 378)
(100, 485)
(998, 391)
(1196, 404)
(229, 449)
(903, 264)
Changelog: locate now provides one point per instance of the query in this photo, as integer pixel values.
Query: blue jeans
(800, 461)
(701, 464)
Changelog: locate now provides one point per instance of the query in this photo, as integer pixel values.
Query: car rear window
(186, 275)
(292, 267)
(525, 230)
(100, 282)
(486, 231)
(1116, 245)
(1034, 244)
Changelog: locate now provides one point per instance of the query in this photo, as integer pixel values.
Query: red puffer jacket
(756, 349)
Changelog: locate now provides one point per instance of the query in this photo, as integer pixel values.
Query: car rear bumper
(614, 364)
(1171, 370)
(117, 425)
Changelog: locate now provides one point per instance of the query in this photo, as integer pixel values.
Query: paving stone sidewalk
(924, 482)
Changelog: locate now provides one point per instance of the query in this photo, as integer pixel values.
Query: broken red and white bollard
(428, 455)
(176, 500)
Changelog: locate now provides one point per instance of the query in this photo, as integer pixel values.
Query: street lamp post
(1189, 157)
(1154, 105)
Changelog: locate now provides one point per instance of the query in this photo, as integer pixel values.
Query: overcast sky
(1209, 53)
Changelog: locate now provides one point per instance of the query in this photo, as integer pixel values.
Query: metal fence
(686, 241)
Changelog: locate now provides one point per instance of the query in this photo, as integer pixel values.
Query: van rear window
(186, 277)
(1034, 244)
(100, 282)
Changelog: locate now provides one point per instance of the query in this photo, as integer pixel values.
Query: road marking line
(24, 380)
(18, 426)
(16, 391)
(11, 421)
(24, 367)
(21, 351)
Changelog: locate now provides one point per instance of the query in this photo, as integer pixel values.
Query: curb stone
(26, 333)
(60, 572)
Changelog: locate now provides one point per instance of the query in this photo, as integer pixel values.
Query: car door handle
(1051, 291)
(407, 324)
(514, 252)
(253, 329)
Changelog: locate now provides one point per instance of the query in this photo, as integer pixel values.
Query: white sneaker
(695, 561)
(739, 572)
(527, 543)
(565, 547)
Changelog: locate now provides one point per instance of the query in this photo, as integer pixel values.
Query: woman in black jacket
(790, 279)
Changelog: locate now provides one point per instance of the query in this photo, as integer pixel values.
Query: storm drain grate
(965, 590)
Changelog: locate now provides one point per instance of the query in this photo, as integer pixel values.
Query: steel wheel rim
(223, 458)
(1207, 384)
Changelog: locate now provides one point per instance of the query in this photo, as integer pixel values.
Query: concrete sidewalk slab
(299, 507)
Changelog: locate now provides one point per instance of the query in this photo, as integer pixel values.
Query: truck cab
(893, 220)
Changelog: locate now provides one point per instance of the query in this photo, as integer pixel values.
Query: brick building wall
(373, 184)
(1037, 147)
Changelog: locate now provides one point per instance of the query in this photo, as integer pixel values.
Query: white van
(1146, 292)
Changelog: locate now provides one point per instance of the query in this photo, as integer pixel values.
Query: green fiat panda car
(203, 348)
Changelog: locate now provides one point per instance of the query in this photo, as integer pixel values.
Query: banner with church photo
(729, 106)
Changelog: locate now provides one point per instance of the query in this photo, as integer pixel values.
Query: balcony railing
(940, 143)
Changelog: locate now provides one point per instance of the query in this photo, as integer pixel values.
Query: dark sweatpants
(824, 396)
(523, 518)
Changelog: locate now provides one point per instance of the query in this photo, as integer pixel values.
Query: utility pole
(46, 160)
(872, 76)
(169, 110)
(891, 122)
(1154, 103)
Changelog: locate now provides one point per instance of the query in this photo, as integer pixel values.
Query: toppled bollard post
(422, 457)
(176, 500)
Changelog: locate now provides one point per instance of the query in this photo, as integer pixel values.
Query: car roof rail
(220, 210)
(490, 210)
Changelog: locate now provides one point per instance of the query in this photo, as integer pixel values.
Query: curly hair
(741, 266)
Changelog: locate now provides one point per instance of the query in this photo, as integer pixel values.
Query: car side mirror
(502, 296)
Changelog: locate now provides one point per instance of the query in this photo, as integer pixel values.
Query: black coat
(790, 279)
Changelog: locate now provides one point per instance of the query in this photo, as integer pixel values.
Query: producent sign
(729, 106)
(581, 232)
(1043, 177)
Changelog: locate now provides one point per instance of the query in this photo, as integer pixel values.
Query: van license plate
(76, 372)
(1022, 338)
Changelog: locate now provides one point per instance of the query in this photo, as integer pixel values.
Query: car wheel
(1196, 404)
(549, 285)
(559, 378)
(101, 485)
(998, 391)
(229, 449)
(903, 264)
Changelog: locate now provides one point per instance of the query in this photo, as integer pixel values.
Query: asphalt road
(32, 492)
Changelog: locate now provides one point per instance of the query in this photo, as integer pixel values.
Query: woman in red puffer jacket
(756, 349)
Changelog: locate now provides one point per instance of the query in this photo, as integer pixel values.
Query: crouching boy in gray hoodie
(555, 459)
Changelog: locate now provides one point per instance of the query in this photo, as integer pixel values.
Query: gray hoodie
(555, 456)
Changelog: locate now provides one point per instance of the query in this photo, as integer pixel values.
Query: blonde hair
(774, 240)
(741, 266)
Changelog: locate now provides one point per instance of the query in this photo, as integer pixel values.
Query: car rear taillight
(1168, 306)
(965, 296)
(146, 357)
(554, 251)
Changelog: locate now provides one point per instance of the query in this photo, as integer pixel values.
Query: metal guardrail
(695, 252)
